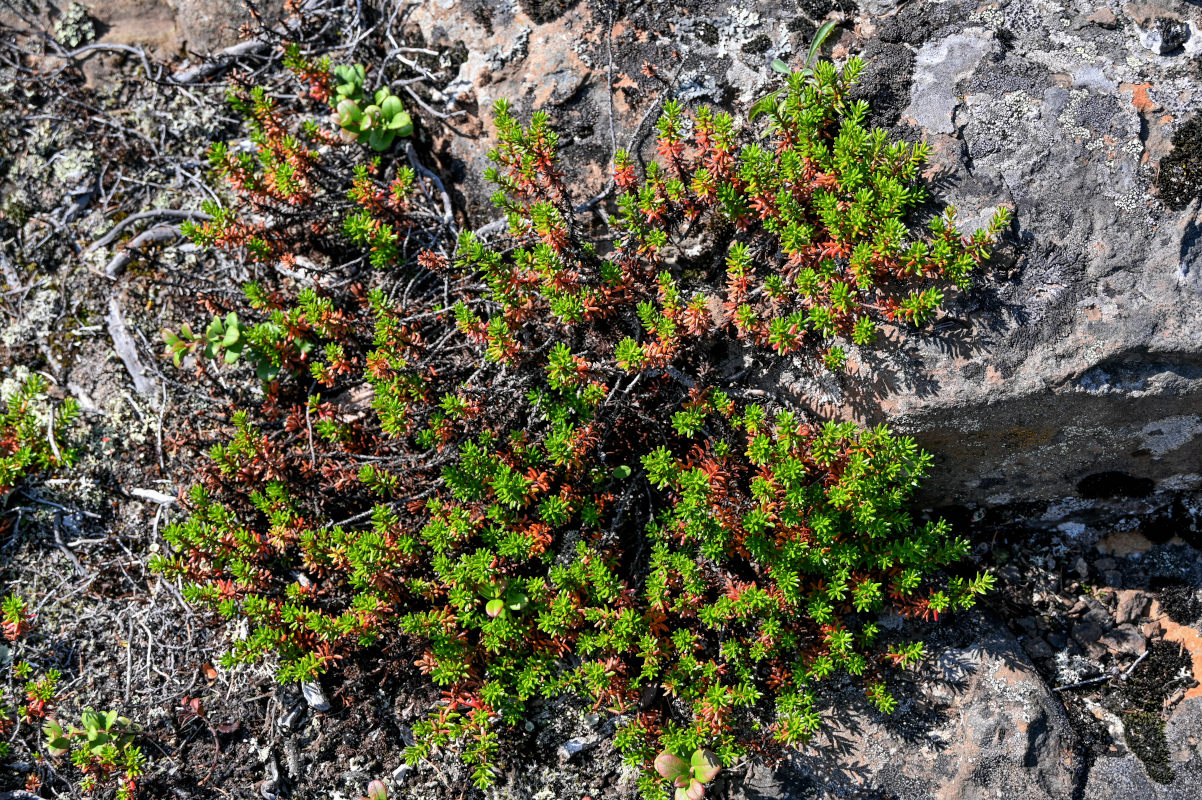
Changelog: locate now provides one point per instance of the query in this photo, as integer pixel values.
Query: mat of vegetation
(403, 494)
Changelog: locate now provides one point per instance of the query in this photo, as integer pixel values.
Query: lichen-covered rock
(1125, 777)
(1066, 387)
(165, 28)
(978, 722)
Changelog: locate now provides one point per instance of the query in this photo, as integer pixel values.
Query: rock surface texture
(1067, 386)
(164, 28)
(983, 722)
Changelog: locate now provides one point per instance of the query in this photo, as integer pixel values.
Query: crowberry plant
(564, 489)
(29, 444)
(17, 617)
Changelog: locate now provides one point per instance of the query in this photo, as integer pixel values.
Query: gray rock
(1037, 648)
(1087, 635)
(879, 8)
(1103, 18)
(1125, 778)
(574, 747)
(1164, 35)
(939, 66)
(314, 696)
(1131, 606)
(1124, 639)
(1029, 625)
(983, 725)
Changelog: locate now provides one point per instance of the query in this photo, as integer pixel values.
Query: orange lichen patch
(1123, 543)
(1188, 638)
(1139, 97)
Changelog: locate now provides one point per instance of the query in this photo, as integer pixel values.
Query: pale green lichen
(75, 27)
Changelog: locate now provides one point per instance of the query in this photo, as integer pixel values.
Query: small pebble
(314, 696)
(573, 747)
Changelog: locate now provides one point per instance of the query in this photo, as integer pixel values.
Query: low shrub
(29, 443)
(569, 485)
(102, 748)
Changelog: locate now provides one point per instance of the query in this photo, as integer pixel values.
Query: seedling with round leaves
(221, 337)
(503, 599)
(230, 339)
(688, 777)
(381, 118)
(104, 745)
(349, 82)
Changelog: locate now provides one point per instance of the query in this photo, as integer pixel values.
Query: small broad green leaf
(232, 355)
(348, 112)
(621, 473)
(494, 607)
(390, 106)
(232, 333)
(380, 140)
(780, 66)
(670, 767)
(266, 371)
(401, 124)
(705, 765)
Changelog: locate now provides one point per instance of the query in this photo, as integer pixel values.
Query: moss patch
(1180, 177)
(1180, 602)
(1140, 704)
(1144, 732)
